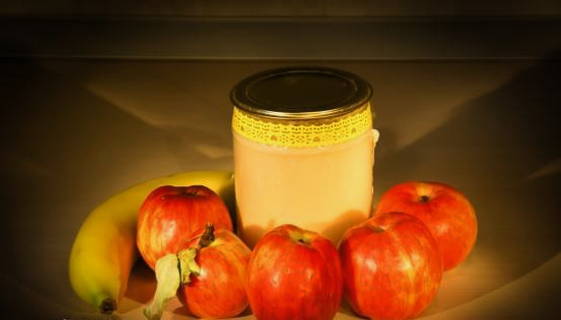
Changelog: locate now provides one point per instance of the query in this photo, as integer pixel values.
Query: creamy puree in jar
(305, 163)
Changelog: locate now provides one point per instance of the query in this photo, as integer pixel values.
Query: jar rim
(301, 93)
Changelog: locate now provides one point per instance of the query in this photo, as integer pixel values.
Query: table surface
(77, 131)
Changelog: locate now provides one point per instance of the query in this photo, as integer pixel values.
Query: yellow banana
(105, 247)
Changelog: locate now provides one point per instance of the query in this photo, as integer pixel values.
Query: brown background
(271, 8)
(99, 96)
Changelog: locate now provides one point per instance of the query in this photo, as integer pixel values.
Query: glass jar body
(325, 189)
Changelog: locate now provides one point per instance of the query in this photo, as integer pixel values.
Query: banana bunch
(104, 250)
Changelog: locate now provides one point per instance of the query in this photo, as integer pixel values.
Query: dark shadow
(490, 149)
(252, 233)
(140, 287)
(348, 310)
(343, 222)
(185, 313)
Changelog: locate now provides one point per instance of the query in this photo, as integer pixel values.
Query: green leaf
(168, 277)
(187, 264)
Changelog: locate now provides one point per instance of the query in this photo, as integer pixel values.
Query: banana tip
(108, 306)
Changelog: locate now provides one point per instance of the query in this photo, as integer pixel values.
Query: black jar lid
(301, 93)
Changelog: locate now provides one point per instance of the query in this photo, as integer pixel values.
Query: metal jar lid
(305, 93)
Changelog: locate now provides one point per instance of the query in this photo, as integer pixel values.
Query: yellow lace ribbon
(301, 134)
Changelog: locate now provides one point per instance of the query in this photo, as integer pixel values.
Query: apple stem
(424, 198)
(208, 236)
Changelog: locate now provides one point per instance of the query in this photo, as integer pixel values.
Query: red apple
(218, 288)
(391, 266)
(170, 215)
(208, 275)
(445, 210)
(294, 274)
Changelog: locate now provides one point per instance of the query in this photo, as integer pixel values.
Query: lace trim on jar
(302, 134)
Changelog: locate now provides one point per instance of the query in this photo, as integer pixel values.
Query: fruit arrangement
(104, 249)
(387, 267)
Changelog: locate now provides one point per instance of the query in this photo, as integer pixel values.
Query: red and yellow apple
(218, 288)
(208, 275)
(171, 214)
(391, 266)
(294, 274)
(446, 211)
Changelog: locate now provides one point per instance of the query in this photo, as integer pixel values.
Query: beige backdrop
(76, 131)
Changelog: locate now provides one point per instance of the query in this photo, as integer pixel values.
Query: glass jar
(303, 151)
